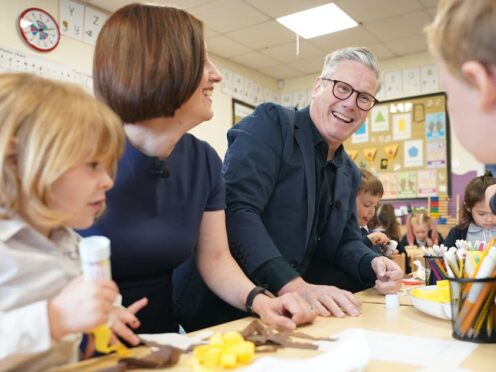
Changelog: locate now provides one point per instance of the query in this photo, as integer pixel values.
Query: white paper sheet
(340, 356)
(420, 351)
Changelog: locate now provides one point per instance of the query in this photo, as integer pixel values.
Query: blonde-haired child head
(462, 38)
(418, 226)
(47, 128)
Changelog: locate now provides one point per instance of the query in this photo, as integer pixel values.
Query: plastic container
(473, 321)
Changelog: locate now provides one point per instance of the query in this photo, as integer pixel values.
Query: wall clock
(39, 29)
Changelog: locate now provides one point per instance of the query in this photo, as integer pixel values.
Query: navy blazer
(269, 170)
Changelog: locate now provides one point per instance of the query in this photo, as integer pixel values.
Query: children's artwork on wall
(379, 118)
(427, 183)
(402, 127)
(436, 154)
(415, 145)
(362, 134)
(407, 184)
(435, 125)
(390, 184)
(413, 156)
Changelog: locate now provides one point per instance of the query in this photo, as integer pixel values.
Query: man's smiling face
(335, 119)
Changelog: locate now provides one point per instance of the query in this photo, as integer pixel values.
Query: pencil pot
(473, 309)
(434, 269)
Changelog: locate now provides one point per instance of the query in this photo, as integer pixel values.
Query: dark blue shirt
(153, 222)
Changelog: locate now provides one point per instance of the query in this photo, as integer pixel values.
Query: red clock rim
(24, 36)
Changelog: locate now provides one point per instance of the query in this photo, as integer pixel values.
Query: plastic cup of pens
(473, 309)
(435, 269)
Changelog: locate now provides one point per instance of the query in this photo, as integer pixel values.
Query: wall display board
(12, 60)
(405, 142)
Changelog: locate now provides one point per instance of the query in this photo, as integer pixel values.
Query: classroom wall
(79, 55)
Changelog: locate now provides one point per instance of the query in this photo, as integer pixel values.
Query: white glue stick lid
(94, 248)
(392, 301)
(392, 244)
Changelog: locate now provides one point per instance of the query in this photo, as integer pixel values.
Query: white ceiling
(245, 31)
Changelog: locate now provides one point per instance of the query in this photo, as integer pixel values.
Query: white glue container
(95, 257)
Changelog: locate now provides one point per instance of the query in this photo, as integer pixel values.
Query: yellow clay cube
(228, 360)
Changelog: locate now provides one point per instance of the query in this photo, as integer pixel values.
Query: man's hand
(327, 300)
(388, 274)
(285, 312)
(378, 237)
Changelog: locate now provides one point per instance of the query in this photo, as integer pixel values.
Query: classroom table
(406, 320)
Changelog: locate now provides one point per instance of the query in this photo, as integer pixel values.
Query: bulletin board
(405, 142)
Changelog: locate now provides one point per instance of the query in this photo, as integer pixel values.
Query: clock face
(39, 29)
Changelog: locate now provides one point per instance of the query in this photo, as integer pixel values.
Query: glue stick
(95, 257)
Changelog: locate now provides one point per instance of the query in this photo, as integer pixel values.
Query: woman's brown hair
(148, 61)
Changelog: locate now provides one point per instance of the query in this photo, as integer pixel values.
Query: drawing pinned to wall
(435, 125)
(393, 84)
(362, 134)
(391, 151)
(407, 184)
(93, 23)
(352, 154)
(426, 183)
(402, 127)
(249, 91)
(436, 154)
(414, 153)
(71, 19)
(370, 153)
(80, 21)
(227, 82)
(379, 118)
(390, 185)
(411, 82)
(429, 79)
(238, 86)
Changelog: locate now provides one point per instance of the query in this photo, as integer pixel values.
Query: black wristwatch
(251, 296)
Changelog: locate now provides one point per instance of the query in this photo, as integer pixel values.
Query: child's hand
(81, 306)
(429, 242)
(123, 318)
(378, 238)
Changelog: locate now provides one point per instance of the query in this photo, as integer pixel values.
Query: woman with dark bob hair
(167, 204)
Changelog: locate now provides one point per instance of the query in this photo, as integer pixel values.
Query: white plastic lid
(392, 244)
(392, 301)
(94, 248)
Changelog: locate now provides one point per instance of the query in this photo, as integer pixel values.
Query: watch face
(39, 29)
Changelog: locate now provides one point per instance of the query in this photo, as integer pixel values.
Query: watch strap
(251, 296)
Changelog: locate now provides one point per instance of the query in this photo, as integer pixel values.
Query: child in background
(385, 221)
(368, 197)
(58, 146)
(420, 231)
(477, 220)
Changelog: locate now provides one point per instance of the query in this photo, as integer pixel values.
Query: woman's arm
(224, 276)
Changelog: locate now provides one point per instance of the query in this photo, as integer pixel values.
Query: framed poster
(240, 110)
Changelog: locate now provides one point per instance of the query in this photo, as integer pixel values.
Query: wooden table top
(405, 320)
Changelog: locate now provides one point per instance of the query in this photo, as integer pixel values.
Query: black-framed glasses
(342, 91)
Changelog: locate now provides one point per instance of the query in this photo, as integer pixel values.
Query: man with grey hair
(291, 190)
